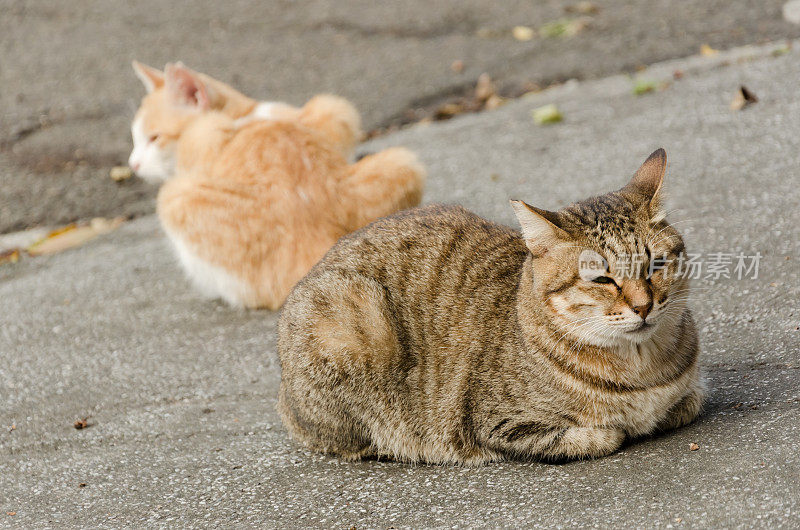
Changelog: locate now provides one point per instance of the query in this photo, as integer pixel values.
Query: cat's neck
(202, 141)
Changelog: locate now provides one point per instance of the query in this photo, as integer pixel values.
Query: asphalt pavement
(68, 94)
(179, 392)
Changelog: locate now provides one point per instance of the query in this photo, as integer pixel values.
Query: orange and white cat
(255, 193)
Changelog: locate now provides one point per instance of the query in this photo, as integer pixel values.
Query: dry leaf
(9, 256)
(693, 447)
(72, 236)
(448, 110)
(120, 173)
(546, 115)
(22, 240)
(643, 86)
(484, 88)
(457, 66)
(523, 33)
(743, 98)
(494, 102)
(708, 51)
(583, 8)
(82, 423)
(11, 513)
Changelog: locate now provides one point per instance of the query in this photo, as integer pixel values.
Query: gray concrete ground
(181, 391)
(67, 92)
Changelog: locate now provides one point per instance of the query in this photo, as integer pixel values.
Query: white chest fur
(636, 411)
(211, 280)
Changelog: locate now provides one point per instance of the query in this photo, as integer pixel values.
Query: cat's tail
(336, 118)
(382, 184)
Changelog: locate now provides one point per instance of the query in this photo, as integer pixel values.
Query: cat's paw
(685, 410)
(588, 442)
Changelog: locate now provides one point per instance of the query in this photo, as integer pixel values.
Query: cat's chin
(152, 178)
(640, 334)
(622, 339)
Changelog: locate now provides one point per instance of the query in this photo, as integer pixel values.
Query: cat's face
(175, 98)
(155, 131)
(606, 268)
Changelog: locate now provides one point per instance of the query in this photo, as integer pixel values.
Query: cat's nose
(643, 309)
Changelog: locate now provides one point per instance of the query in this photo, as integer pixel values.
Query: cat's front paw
(588, 442)
(684, 411)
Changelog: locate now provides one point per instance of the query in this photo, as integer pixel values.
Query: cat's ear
(539, 228)
(152, 78)
(185, 88)
(648, 183)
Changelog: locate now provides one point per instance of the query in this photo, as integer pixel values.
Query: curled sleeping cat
(256, 193)
(437, 336)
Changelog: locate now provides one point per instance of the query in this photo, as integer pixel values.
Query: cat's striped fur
(435, 335)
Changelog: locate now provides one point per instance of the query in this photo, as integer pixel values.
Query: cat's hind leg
(312, 419)
(336, 118)
(382, 184)
(336, 346)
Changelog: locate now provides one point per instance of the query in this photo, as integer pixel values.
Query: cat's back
(417, 238)
(433, 260)
(260, 148)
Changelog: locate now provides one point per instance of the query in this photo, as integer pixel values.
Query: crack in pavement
(449, 26)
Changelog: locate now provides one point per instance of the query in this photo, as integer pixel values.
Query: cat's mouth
(642, 328)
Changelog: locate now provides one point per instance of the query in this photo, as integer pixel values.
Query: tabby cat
(437, 336)
(257, 192)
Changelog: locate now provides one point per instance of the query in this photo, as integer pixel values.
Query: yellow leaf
(9, 256)
(546, 115)
(643, 86)
(72, 236)
(708, 51)
(523, 33)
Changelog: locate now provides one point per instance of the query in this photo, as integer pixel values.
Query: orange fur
(258, 203)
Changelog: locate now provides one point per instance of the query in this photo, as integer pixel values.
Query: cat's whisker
(572, 331)
(651, 237)
(581, 343)
(572, 323)
(673, 223)
(562, 337)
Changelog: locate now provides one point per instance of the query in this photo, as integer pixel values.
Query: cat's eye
(153, 138)
(603, 279)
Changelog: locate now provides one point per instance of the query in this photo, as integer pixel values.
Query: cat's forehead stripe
(607, 221)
